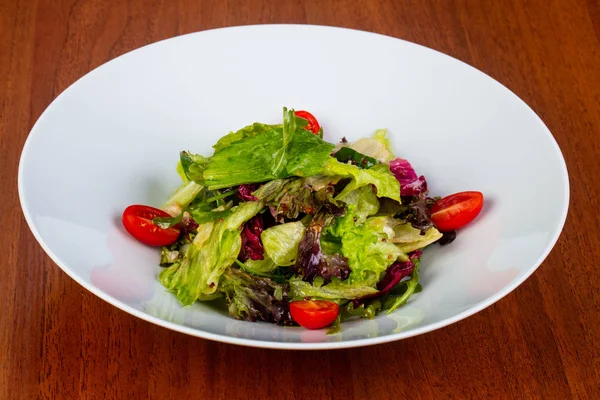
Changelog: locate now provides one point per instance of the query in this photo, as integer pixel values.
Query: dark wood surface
(541, 341)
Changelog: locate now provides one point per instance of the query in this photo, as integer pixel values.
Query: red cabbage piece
(252, 247)
(410, 183)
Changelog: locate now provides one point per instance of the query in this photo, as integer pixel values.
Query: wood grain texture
(541, 341)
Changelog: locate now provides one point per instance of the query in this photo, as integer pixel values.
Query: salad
(290, 229)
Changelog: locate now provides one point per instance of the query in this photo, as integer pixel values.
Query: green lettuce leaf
(215, 247)
(204, 210)
(378, 175)
(335, 290)
(410, 239)
(362, 238)
(182, 197)
(365, 310)
(306, 154)
(348, 154)
(377, 147)
(289, 129)
(272, 154)
(363, 203)
(281, 242)
(258, 267)
(190, 168)
(318, 182)
(173, 254)
(246, 132)
(381, 136)
(330, 244)
(369, 252)
(193, 166)
(181, 172)
(167, 222)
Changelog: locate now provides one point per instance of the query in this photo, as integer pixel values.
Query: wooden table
(541, 341)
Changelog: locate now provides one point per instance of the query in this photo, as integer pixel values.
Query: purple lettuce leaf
(252, 247)
(311, 261)
(416, 210)
(393, 275)
(410, 183)
(245, 192)
(254, 298)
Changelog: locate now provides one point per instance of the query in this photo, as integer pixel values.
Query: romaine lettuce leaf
(193, 166)
(281, 242)
(381, 136)
(378, 175)
(246, 132)
(204, 211)
(181, 172)
(289, 129)
(272, 154)
(383, 224)
(377, 147)
(348, 154)
(182, 197)
(318, 182)
(190, 168)
(215, 247)
(259, 267)
(336, 290)
(410, 239)
(364, 203)
(306, 154)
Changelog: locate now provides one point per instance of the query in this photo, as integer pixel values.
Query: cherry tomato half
(313, 124)
(314, 314)
(457, 210)
(137, 220)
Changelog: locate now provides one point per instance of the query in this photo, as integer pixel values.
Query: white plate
(113, 139)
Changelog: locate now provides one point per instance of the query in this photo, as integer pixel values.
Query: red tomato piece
(137, 220)
(314, 314)
(313, 124)
(457, 210)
